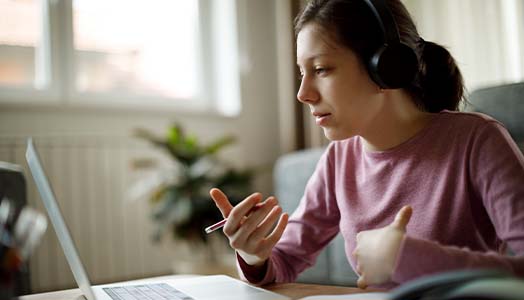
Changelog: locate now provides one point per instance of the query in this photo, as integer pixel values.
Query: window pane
(141, 46)
(20, 42)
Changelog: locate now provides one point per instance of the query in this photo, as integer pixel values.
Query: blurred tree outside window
(20, 40)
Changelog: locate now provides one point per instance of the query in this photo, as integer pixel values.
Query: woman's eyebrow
(313, 57)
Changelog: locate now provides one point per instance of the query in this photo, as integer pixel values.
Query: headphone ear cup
(373, 67)
(393, 66)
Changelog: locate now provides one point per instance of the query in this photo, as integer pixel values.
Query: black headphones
(394, 64)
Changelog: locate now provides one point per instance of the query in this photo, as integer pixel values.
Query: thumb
(402, 218)
(361, 282)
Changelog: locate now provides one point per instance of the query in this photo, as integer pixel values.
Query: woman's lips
(321, 119)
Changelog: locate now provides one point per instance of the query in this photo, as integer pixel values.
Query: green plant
(181, 201)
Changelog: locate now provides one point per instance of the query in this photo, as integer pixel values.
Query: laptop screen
(48, 197)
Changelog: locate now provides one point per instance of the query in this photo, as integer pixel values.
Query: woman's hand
(250, 232)
(377, 250)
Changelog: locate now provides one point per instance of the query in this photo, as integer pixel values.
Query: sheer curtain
(486, 37)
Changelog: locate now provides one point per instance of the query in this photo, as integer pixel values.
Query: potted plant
(180, 197)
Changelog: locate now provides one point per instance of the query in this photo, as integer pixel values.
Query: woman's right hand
(250, 232)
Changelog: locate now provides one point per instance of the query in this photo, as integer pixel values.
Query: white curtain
(486, 37)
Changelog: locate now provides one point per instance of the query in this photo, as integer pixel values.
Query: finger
(221, 201)
(355, 253)
(359, 236)
(274, 236)
(402, 218)
(263, 208)
(250, 223)
(359, 269)
(237, 214)
(361, 282)
(264, 228)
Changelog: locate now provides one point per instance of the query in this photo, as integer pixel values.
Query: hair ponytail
(440, 84)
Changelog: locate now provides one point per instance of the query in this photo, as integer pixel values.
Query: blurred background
(83, 76)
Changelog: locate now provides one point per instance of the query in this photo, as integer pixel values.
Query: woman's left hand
(377, 250)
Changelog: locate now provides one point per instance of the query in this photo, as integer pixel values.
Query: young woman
(414, 186)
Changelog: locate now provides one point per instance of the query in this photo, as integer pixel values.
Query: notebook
(193, 288)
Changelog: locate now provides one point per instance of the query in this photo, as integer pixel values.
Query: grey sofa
(505, 103)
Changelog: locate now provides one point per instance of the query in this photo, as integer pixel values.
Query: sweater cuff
(411, 253)
(255, 275)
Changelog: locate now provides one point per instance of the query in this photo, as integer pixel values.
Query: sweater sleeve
(496, 168)
(310, 228)
(497, 172)
(418, 257)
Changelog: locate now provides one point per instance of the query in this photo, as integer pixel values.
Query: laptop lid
(48, 197)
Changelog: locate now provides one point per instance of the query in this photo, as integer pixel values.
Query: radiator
(91, 177)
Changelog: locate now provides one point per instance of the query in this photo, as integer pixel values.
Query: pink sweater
(464, 177)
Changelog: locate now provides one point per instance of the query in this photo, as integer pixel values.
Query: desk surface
(292, 290)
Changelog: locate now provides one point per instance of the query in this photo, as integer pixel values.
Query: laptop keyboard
(157, 291)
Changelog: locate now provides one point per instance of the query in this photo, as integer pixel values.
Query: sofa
(291, 172)
(506, 104)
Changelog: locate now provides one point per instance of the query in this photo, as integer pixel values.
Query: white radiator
(91, 177)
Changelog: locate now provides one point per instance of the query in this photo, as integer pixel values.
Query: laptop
(193, 288)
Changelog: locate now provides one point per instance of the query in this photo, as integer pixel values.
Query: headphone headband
(385, 20)
(394, 64)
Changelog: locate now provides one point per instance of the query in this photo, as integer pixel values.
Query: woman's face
(335, 85)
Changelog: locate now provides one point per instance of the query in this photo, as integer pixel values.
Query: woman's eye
(320, 71)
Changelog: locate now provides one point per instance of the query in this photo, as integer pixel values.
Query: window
(154, 53)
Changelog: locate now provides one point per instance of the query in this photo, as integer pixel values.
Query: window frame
(58, 46)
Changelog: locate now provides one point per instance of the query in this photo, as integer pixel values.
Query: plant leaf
(219, 144)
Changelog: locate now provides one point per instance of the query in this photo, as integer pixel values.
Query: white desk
(292, 290)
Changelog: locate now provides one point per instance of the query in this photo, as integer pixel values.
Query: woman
(414, 186)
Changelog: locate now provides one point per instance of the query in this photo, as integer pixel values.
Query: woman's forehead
(314, 41)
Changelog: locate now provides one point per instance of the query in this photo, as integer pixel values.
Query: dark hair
(438, 84)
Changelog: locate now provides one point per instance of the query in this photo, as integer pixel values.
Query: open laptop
(192, 288)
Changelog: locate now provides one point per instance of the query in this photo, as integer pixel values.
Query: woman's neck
(398, 121)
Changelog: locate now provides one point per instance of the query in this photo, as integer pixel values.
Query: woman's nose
(307, 92)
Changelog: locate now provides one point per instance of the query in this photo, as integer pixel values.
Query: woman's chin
(335, 135)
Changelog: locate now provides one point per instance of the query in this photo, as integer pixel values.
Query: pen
(221, 224)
